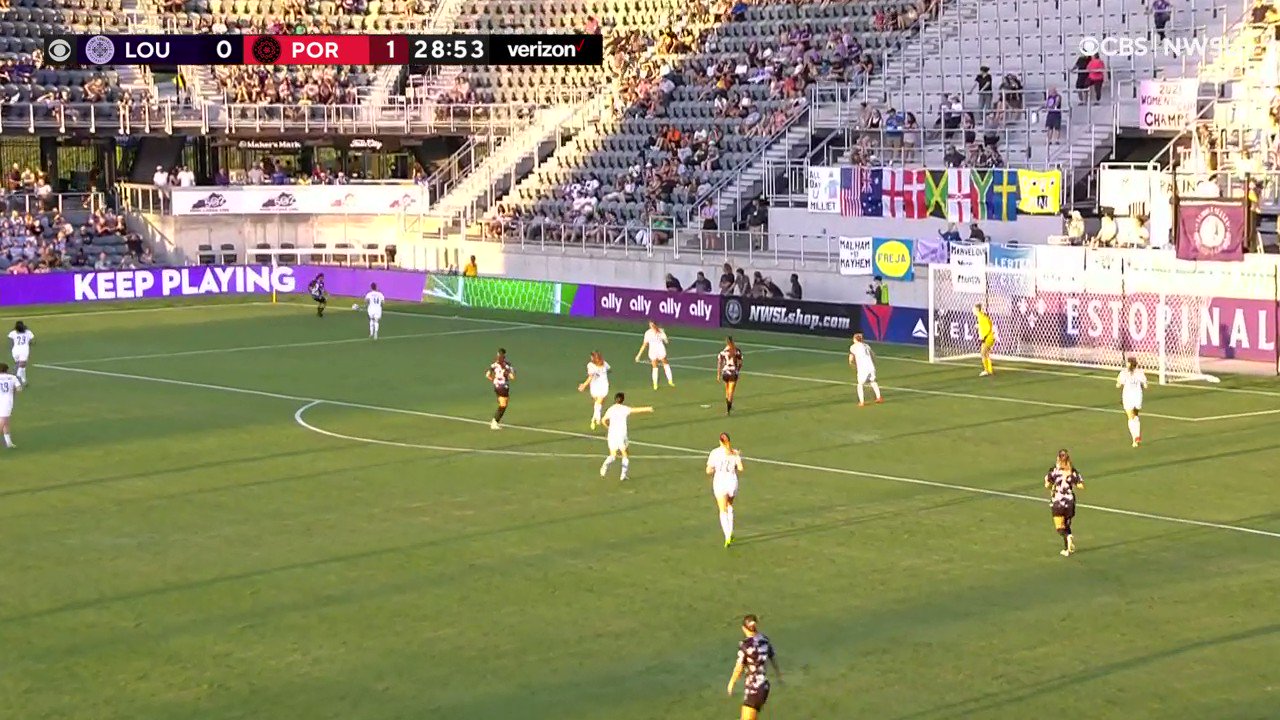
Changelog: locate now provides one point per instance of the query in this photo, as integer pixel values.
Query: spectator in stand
(1097, 75)
(1075, 229)
(223, 178)
(975, 233)
(1081, 70)
(673, 285)
(772, 289)
(796, 292)
(103, 263)
(161, 177)
(1161, 13)
(726, 280)
(758, 216)
(742, 283)
(984, 83)
(758, 287)
(256, 175)
(186, 178)
(951, 234)
(700, 284)
(1053, 115)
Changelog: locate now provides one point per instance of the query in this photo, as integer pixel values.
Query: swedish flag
(1002, 200)
(1040, 191)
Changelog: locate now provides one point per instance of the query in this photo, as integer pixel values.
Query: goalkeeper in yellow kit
(987, 336)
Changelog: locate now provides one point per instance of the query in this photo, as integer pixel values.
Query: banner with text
(298, 200)
(823, 187)
(1211, 229)
(893, 259)
(1167, 104)
(660, 306)
(857, 255)
(791, 316)
(539, 296)
(969, 267)
(203, 280)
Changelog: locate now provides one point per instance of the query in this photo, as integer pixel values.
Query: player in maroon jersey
(1062, 481)
(500, 373)
(728, 367)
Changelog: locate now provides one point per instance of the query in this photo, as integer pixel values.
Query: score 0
(388, 50)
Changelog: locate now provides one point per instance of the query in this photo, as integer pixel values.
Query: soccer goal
(1057, 319)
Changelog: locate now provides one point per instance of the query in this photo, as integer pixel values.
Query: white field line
(310, 343)
(947, 393)
(16, 310)
(821, 351)
(1233, 416)
(297, 417)
(695, 453)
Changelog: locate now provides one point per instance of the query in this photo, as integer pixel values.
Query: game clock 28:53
(448, 50)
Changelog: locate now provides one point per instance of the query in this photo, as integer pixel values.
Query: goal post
(1041, 316)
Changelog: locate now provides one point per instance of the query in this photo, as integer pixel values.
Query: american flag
(860, 192)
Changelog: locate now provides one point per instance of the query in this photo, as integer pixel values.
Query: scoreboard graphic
(102, 50)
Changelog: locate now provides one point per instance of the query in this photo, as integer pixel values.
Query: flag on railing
(935, 193)
(860, 192)
(1002, 201)
(962, 196)
(1040, 192)
(982, 181)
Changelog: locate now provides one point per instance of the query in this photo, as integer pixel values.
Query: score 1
(388, 50)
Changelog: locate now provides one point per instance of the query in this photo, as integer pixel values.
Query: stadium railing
(26, 202)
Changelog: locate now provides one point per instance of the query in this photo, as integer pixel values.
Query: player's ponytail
(749, 623)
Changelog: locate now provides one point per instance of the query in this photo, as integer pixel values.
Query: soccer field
(241, 511)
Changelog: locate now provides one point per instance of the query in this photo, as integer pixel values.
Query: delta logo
(343, 201)
(283, 201)
(405, 202)
(213, 202)
(877, 318)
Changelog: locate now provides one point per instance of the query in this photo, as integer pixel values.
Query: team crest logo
(733, 311)
(99, 50)
(877, 317)
(266, 50)
(1211, 231)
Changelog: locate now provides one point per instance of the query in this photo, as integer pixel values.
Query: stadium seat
(229, 256)
(205, 255)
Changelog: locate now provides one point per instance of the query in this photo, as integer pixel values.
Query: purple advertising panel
(664, 308)
(198, 281)
(1227, 328)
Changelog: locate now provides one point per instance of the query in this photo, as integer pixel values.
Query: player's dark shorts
(1064, 510)
(755, 698)
(317, 298)
(502, 390)
(729, 376)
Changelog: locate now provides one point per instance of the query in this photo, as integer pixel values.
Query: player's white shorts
(6, 408)
(617, 443)
(599, 390)
(657, 355)
(866, 376)
(723, 486)
(21, 354)
(375, 312)
(1131, 401)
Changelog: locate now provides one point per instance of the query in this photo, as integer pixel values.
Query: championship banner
(857, 255)
(204, 280)
(538, 296)
(298, 200)
(791, 316)
(1211, 229)
(661, 306)
(823, 187)
(969, 267)
(1168, 104)
(893, 259)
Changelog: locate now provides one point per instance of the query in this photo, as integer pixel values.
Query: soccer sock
(626, 465)
(22, 375)
(655, 375)
(861, 395)
(724, 525)
(668, 369)
(986, 365)
(498, 415)
(607, 462)
(595, 413)
(728, 513)
(875, 388)
(8, 440)
(1135, 427)
(728, 405)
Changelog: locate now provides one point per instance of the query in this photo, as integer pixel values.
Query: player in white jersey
(598, 381)
(615, 420)
(723, 464)
(655, 338)
(864, 361)
(373, 301)
(10, 385)
(1132, 382)
(22, 339)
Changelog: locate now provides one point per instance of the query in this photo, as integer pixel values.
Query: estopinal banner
(298, 200)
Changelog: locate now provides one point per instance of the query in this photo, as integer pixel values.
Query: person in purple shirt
(1161, 12)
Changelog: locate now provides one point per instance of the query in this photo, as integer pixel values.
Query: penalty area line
(694, 453)
(297, 417)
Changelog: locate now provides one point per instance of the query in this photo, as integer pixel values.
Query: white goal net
(1045, 317)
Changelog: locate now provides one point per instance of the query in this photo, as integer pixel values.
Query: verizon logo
(546, 50)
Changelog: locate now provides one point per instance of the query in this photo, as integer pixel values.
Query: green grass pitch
(181, 542)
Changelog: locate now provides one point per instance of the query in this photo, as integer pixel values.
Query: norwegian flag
(962, 196)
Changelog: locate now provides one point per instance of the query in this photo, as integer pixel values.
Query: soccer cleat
(493, 425)
(655, 386)
(623, 478)
(593, 423)
(862, 404)
(1071, 545)
(984, 373)
(671, 383)
(728, 541)
(1137, 441)
(1064, 553)
(604, 470)
(880, 401)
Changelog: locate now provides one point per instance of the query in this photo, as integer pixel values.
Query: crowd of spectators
(299, 88)
(736, 282)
